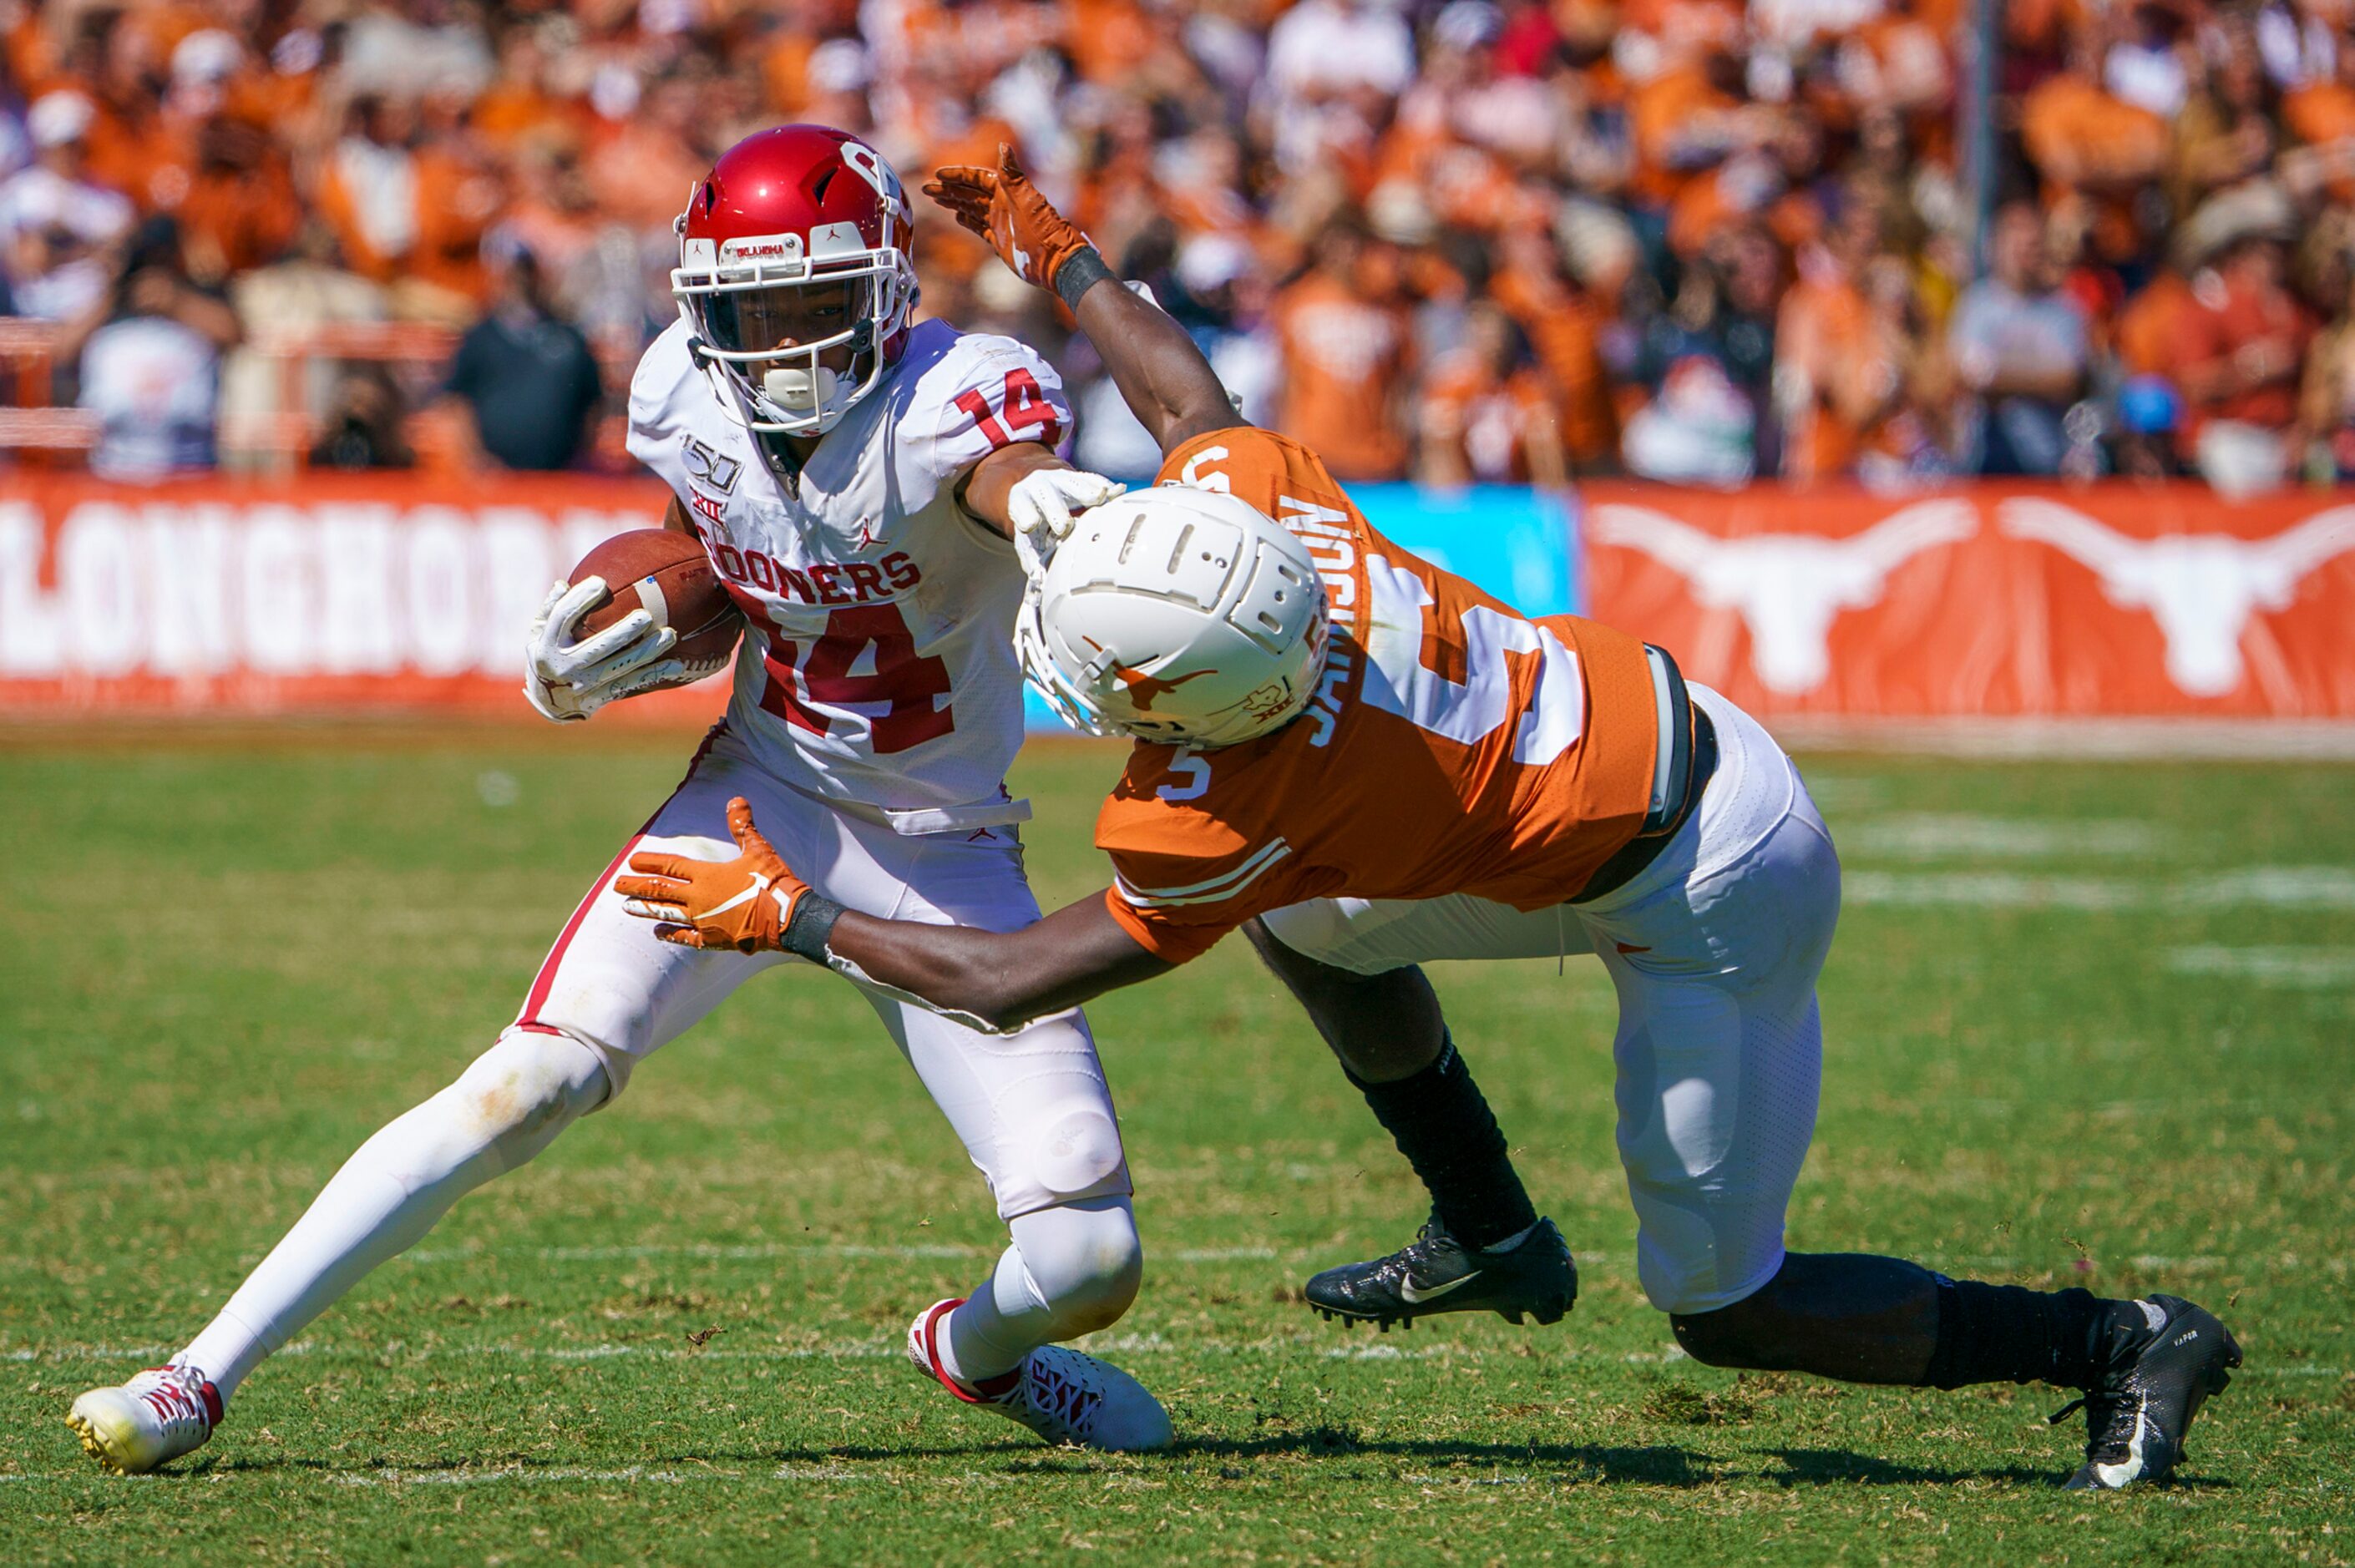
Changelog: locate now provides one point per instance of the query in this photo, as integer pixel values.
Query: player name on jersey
(852, 582)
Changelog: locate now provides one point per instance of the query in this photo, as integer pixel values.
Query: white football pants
(1714, 950)
(1032, 1109)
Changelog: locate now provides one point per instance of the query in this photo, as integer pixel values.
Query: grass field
(2088, 1023)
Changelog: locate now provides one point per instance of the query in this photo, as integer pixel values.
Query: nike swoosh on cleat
(2131, 1471)
(1408, 1291)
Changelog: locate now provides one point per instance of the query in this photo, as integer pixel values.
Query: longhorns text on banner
(335, 593)
(1788, 589)
(2201, 589)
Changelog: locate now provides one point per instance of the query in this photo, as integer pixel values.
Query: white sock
(504, 1110)
(1071, 1271)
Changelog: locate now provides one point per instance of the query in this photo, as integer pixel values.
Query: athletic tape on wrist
(813, 923)
(1075, 277)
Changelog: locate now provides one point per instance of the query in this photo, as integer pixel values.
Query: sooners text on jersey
(878, 666)
(1453, 745)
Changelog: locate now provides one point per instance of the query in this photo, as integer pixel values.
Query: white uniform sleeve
(654, 397)
(987, 393)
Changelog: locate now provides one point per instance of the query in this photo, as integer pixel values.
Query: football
(670, 576)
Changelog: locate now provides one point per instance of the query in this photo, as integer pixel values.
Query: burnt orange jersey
(1455, 746)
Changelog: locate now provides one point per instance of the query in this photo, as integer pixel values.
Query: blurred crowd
(1470, 241)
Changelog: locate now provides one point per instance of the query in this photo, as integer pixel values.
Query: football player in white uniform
(1383, 766)
(866, 488)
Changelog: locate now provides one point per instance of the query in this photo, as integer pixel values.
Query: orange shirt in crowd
(1453, 745)
(1491, 421)
(2081, 138)
(1565, 330)
(784, 72)
(1827, 333)
(457, 199)
(511, 112)
(121, 153)
(1659, 113)
(2040, 26)
(2318, 114)
(2150, 326)
(2223, 320)
(1342, 356)
(232, 220)
(1716, 199)
(1109, 39)
(2077, 133)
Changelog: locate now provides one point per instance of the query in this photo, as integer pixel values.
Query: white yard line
(1929, 835)
(2255, 886)
(2308, 969)
(2274, 887)
(1990, 890)
(537, 1478)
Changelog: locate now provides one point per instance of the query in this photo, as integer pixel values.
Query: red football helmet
(794, 228)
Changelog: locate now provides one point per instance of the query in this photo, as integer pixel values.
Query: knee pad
(1083, 1260)
(1077, 1151)
(520, 1093)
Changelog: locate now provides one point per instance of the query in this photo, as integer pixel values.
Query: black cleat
(1534, 1276)
(2155, 1376)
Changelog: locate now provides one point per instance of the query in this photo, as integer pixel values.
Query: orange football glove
(1005, 208)
(745, 904)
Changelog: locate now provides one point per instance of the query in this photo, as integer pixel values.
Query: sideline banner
(1992, 600)
(358, 592)
(341, 593)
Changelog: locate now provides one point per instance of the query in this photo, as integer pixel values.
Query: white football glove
(1042, 505)
(567, 679)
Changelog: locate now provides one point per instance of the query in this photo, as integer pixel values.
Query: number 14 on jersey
(866, 659)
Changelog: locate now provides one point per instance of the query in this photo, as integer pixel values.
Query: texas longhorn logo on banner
(1998, 600)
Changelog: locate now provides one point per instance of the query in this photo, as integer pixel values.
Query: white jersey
(878, 671)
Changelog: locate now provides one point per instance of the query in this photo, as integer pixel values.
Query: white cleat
(155, 1418)
(1062, 1395)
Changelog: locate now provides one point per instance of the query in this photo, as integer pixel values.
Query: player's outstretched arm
(994, 980)
(1162, 375)
(1031, 495)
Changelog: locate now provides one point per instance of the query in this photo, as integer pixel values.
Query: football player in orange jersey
(1364, 763)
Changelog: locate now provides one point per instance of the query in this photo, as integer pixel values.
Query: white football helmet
(1176, 615)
